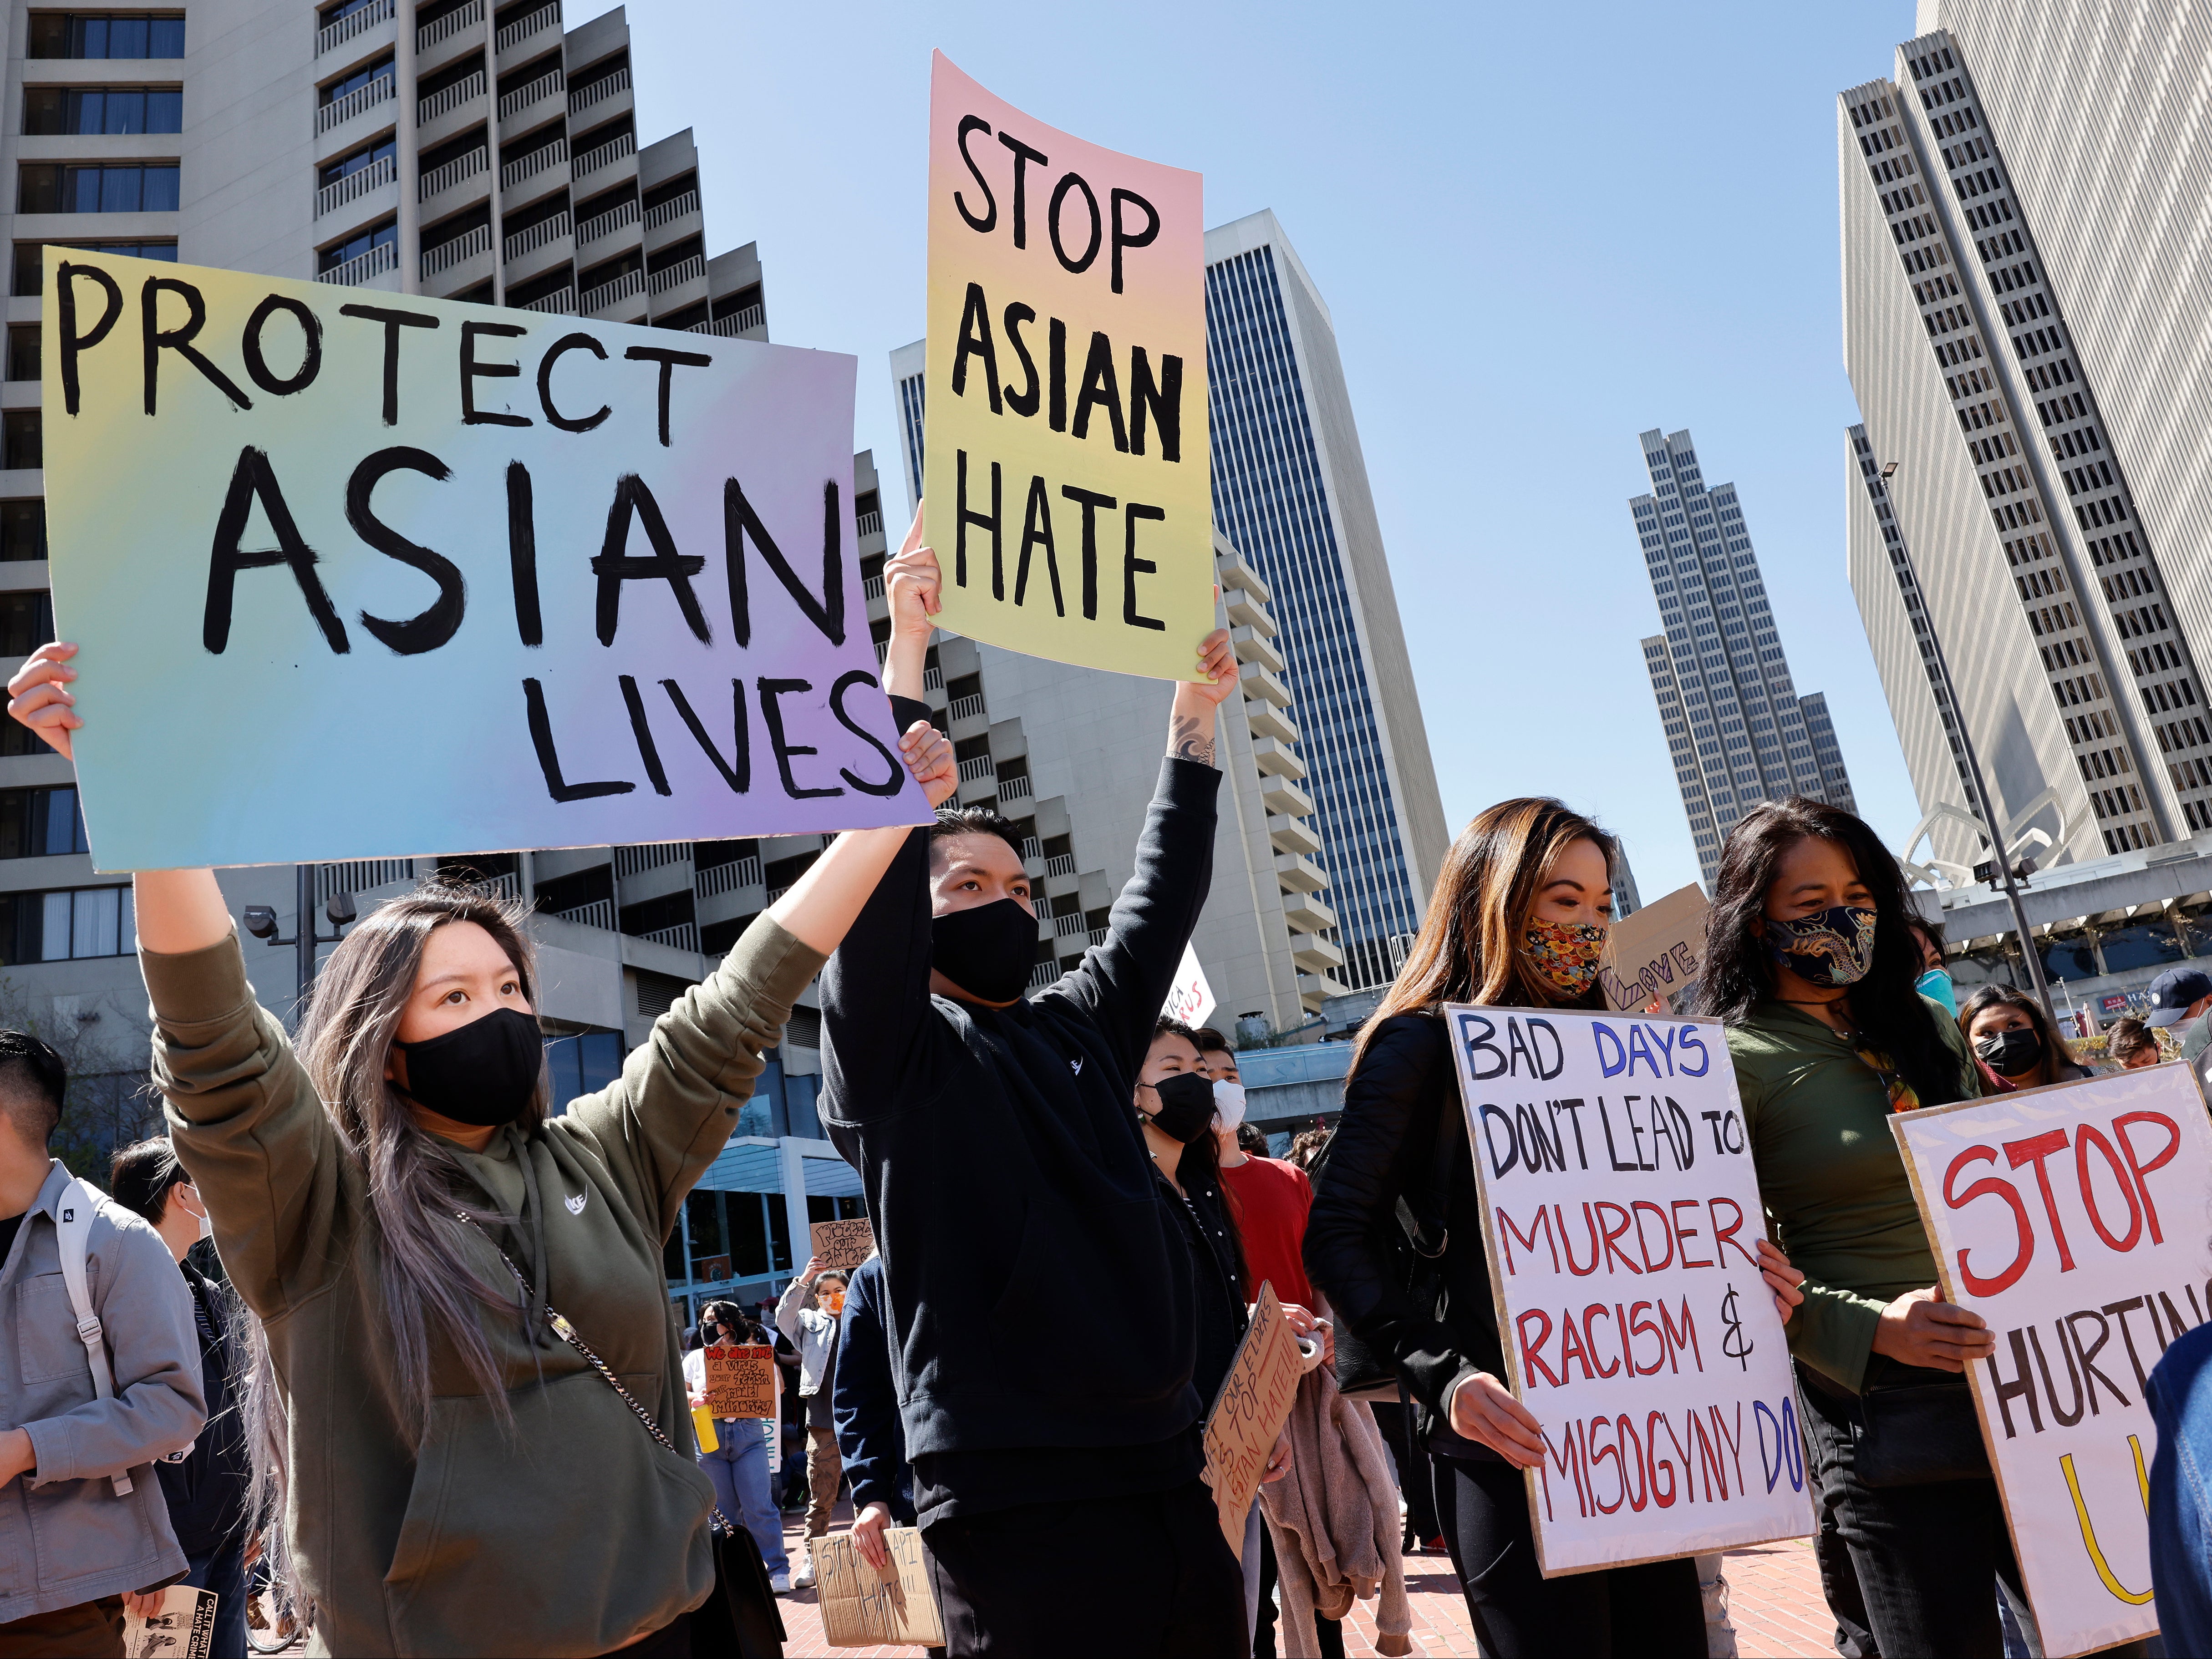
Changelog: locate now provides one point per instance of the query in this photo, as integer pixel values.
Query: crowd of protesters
(373, 1322)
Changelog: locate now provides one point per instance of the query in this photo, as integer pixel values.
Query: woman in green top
(1810, 961)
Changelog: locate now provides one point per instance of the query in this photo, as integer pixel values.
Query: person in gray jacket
(815, 1332)
(75, 1545)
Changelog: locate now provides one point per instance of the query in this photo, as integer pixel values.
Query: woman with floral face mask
(1810, 961)
(1518, 920)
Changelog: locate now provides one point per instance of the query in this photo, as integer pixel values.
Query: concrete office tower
(2044, 566)
(441, 148)
(1738, 733)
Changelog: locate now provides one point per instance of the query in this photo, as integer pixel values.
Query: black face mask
(1186, 1106)
(2011, 1053)
(482, 1073)
(987, 951)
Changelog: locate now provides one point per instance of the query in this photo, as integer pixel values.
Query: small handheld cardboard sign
(1250, 1412)
(2072, 1219)
(843, 1245)
(740, 1380)
(1622, 1216)
(182, 1628)
(1654, 955)
(866, 1606)
(1190, 999)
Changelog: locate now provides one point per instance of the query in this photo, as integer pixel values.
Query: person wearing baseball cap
(2180, 994)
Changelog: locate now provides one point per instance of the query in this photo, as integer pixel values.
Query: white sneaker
(802, 1576)
(779, 1582)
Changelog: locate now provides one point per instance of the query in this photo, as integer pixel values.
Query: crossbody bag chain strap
(567, 1332)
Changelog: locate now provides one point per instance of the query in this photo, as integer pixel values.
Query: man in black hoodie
(1055, 1443)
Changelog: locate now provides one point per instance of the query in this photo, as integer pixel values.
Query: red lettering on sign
(2120, 1126)
(1725, 1237)
(1507, 1233)
(1532, 1363)
(1666, 1236)
(2034, 1149)
(1589, 1333)
(1685, 1234)
(1990, 1187)
(1613, 1229)
(2084, 1137)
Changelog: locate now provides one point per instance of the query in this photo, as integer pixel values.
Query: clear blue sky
(1540, 232)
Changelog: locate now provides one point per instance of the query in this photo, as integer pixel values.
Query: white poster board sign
(2073, 1220)
(1191, 999)
(1622, 1218)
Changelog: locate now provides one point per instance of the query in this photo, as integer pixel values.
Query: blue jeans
(739, 1469)
(223, 1569)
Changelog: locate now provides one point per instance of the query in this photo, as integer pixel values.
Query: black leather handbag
(1918, 1435)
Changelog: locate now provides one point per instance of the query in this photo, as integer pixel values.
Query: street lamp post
(1983, 808)
(261, 922)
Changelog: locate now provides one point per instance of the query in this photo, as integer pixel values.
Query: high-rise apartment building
(1737, 731)
(2019, 329)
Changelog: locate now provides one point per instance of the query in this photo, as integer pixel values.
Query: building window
(582, 1064)
(52, 110)
(92, 34)
(128, 189)
(355, 163)
(27, 618)
(23, 536)
(65, 925)
(21, 448)
(30, 260)
(353, 247)
(37, 823)
(356, 81)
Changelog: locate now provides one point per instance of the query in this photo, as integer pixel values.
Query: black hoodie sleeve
(876, 1013)
(1121, 983)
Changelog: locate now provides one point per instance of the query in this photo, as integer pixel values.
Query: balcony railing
(670, 211)
(446, 27)
(1060, 864)
(775, 893)
(506, 885)
(606, 155)
(650, 855)
(1043, 975)
(444, 103)
(528, 94)
(607, 223)
(345, 29)
(678, 274)
(966, 708)
(1066, 926)
(933, 679)
(355, 185)
(561, 302)
(523, 27)
(599, 913)
(982, 766)
(360, 875)
(537, 236)
(871, 523)
(731, 877)
(734, 325)
(361, 99)
(1098, 935)
(514, 172)
(1031, 848)
(1016, 788)
(384, 257)
(872, 587)
(605, 87)
(445, 178)
(627, 286)
(446, 255)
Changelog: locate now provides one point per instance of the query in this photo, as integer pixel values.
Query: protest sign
(740, 1380)
(462, 577)
(1654, 955)
(183, 1627)
(1622, 1214)
(842, 1244)
(1066, 473)
(866, 1607)
(1250, 1412)
(2072, 1219)
(1190, 998)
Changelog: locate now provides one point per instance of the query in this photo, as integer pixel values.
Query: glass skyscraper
(1736, 731)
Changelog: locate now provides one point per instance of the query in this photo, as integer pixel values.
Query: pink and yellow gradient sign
(359, 574)
(1067, 479)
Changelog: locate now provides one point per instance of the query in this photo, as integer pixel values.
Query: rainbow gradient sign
(1066, 478)
(359, 574)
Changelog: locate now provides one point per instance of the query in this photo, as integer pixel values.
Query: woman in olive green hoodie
(454, 1477)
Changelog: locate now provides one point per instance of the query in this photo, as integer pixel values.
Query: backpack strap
(79, 1202)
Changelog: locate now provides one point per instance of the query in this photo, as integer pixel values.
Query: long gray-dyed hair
(431, 1294)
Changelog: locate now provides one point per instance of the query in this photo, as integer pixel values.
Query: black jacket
(1384, 1149)
(1013, 1201)
(207, 1491)
(865, 1401)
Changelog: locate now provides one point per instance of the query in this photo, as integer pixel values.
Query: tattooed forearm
(1188, 741)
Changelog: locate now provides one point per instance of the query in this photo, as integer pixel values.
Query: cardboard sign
(481, 578)
(1622, 1216)
(1656, 954)
(184, 1628)
(740, 1380)
(842, 1244)
(2073, 1220)
(863, 1606)
(1067, 476)
(1190, 999)
(1249, 1412)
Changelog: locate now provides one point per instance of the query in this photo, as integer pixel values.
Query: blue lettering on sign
(1664, 1050)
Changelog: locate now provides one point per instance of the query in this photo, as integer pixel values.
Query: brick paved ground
(1774, 1595)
